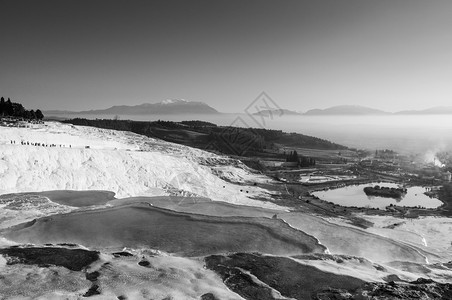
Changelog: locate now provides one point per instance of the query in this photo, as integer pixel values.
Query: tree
(12, 109)
(18, 110)
(32, 114)
(293, 157)
(9, 108)
(2, 106)
(39, 114)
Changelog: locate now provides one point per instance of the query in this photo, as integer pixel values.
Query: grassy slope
(228, 140)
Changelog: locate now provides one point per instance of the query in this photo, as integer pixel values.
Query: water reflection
(354, 195)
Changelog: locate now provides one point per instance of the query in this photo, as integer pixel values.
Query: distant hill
(277, 112)
(166, 107)
(439, 110)
(59, 112)
(346, 110)
(357, 110)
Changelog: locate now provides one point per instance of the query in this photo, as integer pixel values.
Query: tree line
(303, 161)
(12, 109)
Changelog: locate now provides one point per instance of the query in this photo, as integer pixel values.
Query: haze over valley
(405, 133)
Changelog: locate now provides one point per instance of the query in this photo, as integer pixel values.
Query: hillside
(224, 139)
(87, 158)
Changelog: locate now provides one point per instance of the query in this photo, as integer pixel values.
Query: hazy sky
(78, 55)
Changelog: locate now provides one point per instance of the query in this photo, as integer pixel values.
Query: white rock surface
(125, 163)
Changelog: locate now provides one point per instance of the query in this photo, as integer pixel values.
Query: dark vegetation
(302, 160)
(12, 109)
(197, 123)
(386, 153)
(297, 281)
(386, 192)
(209, 296)
(92, 276)
(72, 259)
(122, 253)
(94, 289)
(144, 263)
(291, 279)
(445, 195)
(421, 289)
(225, 139)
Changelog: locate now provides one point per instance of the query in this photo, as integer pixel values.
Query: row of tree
(303, 161)
(12, 109)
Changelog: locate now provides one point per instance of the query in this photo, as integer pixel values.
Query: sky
(79, 55)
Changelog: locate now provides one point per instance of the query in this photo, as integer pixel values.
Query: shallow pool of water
(142, 226)
(354, 195)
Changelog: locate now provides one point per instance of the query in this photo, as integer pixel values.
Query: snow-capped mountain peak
(174, 101)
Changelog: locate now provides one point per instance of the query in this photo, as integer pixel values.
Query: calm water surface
(354, 195)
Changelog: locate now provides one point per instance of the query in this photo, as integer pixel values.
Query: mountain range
(180, 106)
(277, 112)
(363, 110)
(166, 107)
(346, 110)
(439, 110)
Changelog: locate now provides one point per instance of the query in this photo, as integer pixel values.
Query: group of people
(39, 144)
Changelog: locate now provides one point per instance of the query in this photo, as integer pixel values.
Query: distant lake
(354, 195)
(407, 134)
